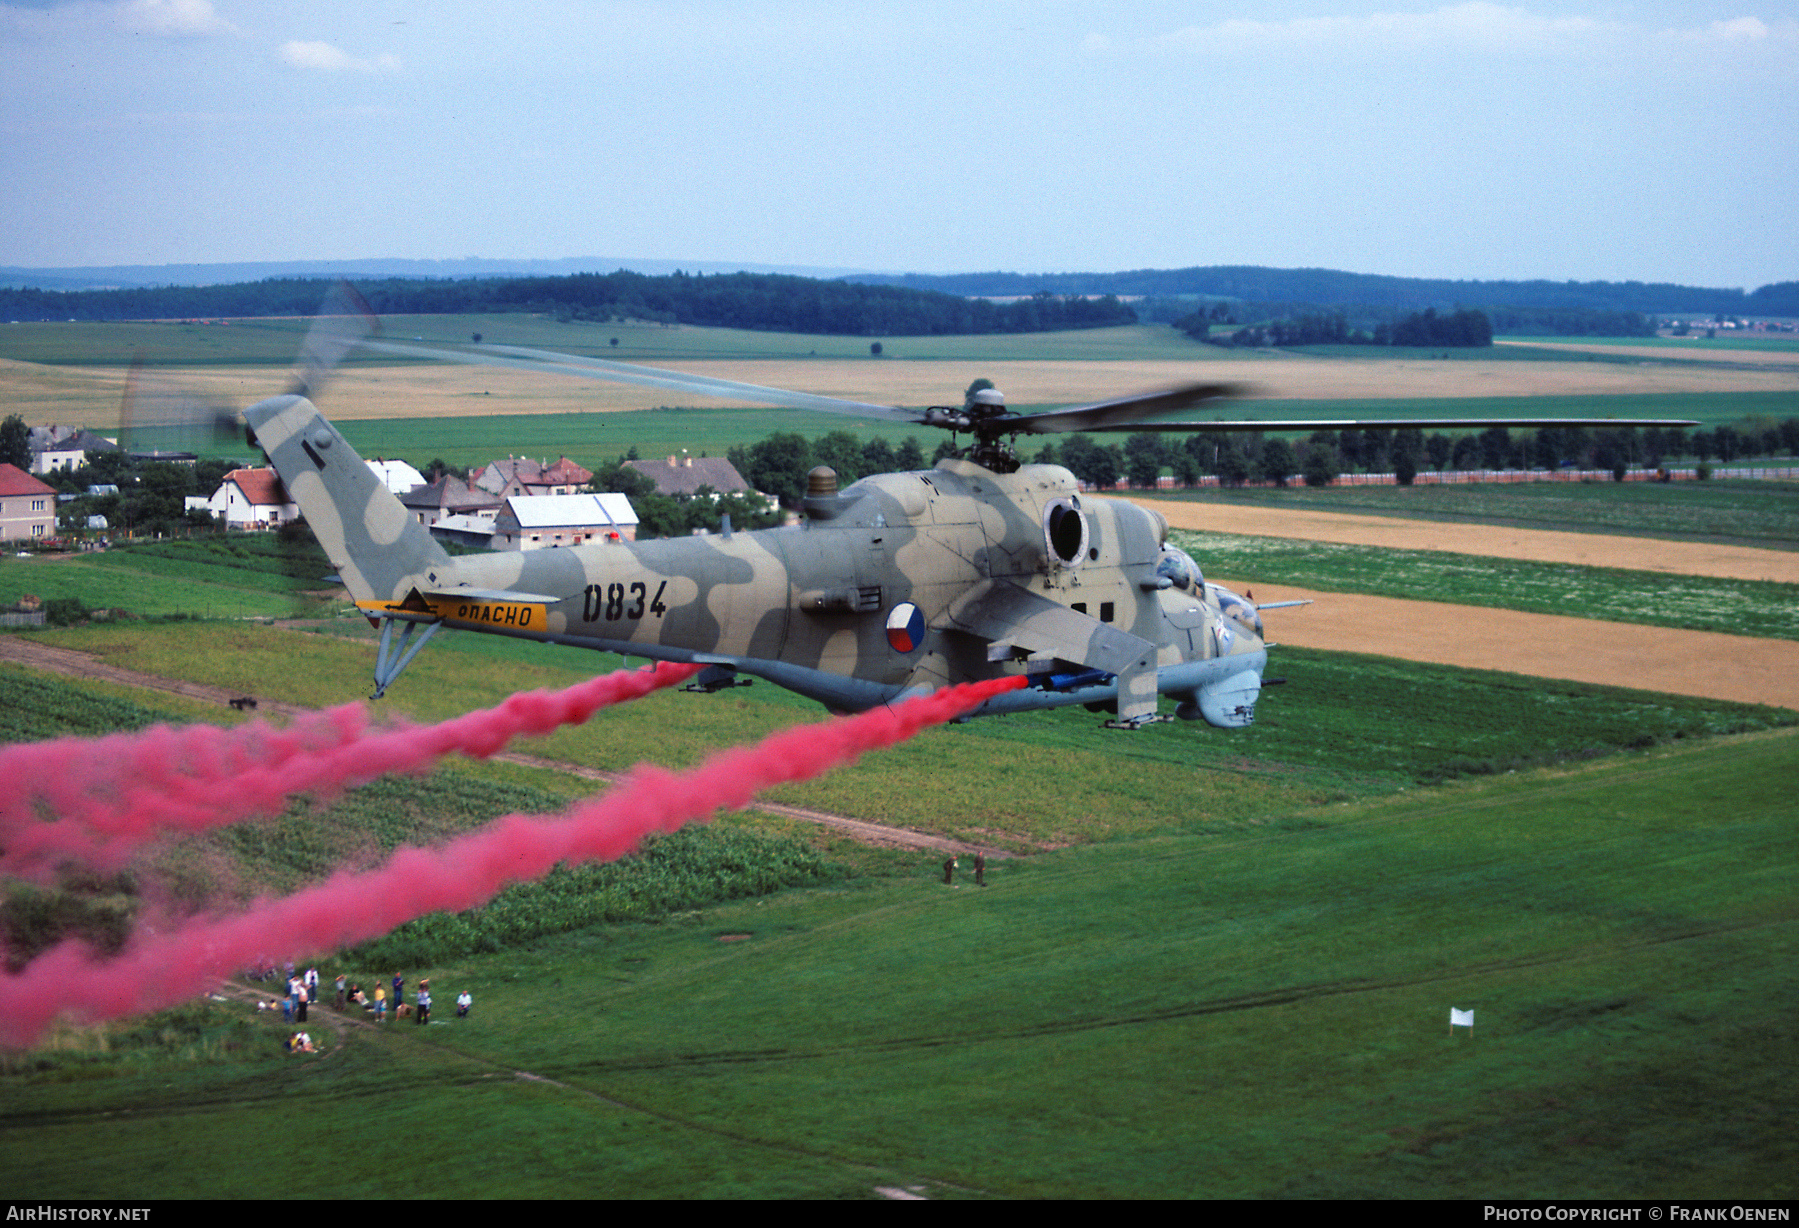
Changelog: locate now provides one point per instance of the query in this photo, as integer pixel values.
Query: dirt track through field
(1535, 545)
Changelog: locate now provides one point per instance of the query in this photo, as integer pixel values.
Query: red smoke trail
(113, 794)
(168, 968)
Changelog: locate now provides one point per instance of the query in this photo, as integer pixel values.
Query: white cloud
(1474, 25)
(155, 18)
(1478, 26)
(1739, 27)
(172, 17)
(323, 57)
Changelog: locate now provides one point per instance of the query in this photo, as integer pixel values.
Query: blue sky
(1579, 139)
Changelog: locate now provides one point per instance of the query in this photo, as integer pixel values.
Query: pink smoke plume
(111, 795)
(163, 969)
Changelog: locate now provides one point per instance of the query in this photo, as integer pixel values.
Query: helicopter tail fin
(377, 547)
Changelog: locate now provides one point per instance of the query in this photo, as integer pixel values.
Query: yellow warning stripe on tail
(475, 611)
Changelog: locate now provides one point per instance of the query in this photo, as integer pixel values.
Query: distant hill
(1249, 283)
(839, 301)
(775, 302)
(131, 276)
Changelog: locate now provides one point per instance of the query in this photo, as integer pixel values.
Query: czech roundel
(905, 627)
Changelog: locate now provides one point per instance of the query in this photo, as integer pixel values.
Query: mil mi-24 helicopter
(895, 585)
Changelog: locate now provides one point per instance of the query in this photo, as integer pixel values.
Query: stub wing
(1017, 623)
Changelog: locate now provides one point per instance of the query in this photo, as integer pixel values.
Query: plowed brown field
(1667, 659)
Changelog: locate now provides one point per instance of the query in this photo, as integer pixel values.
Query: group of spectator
(303, 990)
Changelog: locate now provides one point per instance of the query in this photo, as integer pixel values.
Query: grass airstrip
(1220, 964)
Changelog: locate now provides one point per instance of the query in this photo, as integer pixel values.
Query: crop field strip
(1694, 524)
(1713, 637)
(1610, 594)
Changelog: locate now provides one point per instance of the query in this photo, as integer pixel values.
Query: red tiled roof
(15, 481)
(262, 487)
(566, 473)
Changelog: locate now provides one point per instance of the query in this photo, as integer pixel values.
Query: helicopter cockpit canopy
(1239, 609)
(1180, 570)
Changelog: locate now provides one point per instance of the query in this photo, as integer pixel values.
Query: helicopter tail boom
(376, 546)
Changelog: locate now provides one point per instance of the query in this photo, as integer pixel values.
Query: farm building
(545, 522)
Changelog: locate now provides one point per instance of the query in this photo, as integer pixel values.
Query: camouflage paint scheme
(1009, 573)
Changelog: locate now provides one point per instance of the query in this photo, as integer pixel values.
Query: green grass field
(1241, 990)
(595, 439)
(243, 575)
(1254, 1013)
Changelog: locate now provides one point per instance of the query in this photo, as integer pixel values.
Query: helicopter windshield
(1235, 607)
(1180, 570)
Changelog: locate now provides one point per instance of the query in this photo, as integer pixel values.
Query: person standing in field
(424, 1000)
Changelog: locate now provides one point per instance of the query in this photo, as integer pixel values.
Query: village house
(520, 475)
(27, 506)
(437, 501)
(545, 522)
(398, 476)
(684, 475)
(65, 447)
(250, 499)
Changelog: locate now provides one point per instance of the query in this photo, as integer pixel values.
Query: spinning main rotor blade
(1120, 413)
(1391, 424)
(524, 359)
(344, 320)
(159, 412)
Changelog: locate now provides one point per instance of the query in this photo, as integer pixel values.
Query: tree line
(778, 464)
(756, 301)
(1325, 455)
(1255, 284)
(1457, 329)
